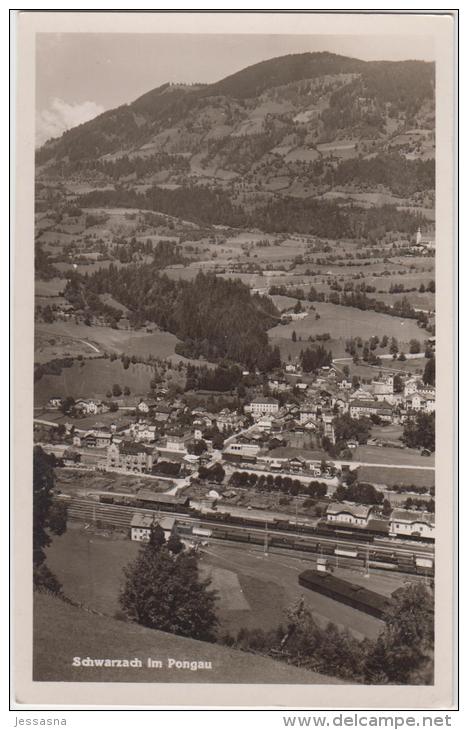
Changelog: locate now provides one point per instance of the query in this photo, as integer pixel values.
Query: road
(93, 347)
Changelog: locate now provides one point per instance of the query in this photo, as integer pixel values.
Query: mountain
(304, 126)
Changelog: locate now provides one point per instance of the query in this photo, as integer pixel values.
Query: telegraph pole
(265, 543)
(366, 564)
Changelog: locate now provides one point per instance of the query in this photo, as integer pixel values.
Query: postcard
(235, 257)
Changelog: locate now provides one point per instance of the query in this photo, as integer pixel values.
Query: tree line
(208, 205)
(205, 314)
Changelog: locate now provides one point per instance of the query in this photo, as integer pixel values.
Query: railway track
(120, 516)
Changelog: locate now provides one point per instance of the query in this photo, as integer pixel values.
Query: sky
(80, 75)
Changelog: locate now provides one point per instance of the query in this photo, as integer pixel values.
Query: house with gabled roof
(350, 514)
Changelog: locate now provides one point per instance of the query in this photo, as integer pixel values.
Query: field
(389, 432)
(62, 631)
(88, 340)
(100, 420)
(94, 378)
(344, 322)
(50, 288)
(255, 590)
(397, 477)
(80, 484)
(49, 346)
(389, 455)
(368, 372)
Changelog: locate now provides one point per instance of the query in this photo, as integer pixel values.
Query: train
(329, 544)
(343, 532)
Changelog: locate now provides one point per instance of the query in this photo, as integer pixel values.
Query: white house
(263, 405)
(410, 523)
(141, 525)
(351, 514)
(240, 451)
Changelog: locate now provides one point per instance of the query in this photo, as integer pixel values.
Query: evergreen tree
(47, 517)
(175, 544)
(407, 641)
(429, 372)
(163, 591)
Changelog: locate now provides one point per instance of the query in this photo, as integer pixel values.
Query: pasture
(390, 477)
(390, 455)
(93, 378)
(255, 591)
(106, 339)
(344, 322)
(50, 288)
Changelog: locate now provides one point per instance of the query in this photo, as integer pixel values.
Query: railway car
(380, 565)
(305, 546)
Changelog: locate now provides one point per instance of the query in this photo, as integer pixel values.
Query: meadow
(104, 339)
(390, 455)
(389, 477)
(254, 590)
(345, 322)
(93, 378)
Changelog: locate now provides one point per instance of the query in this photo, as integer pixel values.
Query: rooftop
(147, 496)
(128, 447)
(356, 510)
(411, 516)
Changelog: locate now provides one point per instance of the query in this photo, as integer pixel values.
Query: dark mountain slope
(254, 80)
(403, 86)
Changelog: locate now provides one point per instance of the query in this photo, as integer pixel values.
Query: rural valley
(235, 374)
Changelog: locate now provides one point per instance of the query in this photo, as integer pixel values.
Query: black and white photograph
(236, 248)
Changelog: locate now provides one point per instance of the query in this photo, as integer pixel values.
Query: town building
(142, 524)
(351, 514)
(262, 405)
(89, 407)
(409, 523)
(241, 452)
(130, 457)
(143, 431)
(177, 440)
(362, 408)
(145, 406)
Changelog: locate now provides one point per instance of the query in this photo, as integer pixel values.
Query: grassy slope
(106, 339)
(344, 322)
(93, 378)
(62, 632)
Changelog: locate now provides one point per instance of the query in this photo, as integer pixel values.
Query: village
(297, 446)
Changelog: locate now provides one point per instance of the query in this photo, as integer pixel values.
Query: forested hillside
(214, 318)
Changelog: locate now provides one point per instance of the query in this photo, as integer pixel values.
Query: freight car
(345, 592)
